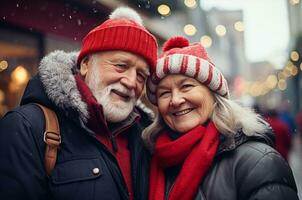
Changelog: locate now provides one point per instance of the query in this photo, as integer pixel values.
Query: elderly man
(94, 95)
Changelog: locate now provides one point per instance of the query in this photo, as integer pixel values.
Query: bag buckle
(52, 138)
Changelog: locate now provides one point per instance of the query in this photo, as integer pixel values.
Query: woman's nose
(176, 100)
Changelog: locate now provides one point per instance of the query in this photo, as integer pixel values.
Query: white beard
(119, 110)
(113, 111)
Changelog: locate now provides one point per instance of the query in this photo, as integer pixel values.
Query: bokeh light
(190, 29)
(20, 75)
(294, 70)
(2, 96)
(206, 41)
(3, 65)
(164, 9)
(294, 55)
(282, 84)
(220, 30)
(294, 2)
(190, 3)
(239, 26)
(271, 81)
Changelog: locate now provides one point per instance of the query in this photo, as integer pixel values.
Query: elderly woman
(206, 146)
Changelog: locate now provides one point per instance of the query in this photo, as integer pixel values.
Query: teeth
(183, 112)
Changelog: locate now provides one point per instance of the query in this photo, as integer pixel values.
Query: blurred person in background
(281, 131)
(287, 117)
(204, 145)
(94, 94)
(299, 123)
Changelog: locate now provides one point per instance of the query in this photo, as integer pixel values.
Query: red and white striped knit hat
(181, 57)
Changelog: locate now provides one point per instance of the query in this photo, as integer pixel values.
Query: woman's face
(183, 102)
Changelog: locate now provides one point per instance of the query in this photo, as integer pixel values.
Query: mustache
(122, 89)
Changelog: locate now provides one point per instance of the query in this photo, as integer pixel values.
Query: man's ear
(84, 66)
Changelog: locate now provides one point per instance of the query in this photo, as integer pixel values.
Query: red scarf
(195, 151)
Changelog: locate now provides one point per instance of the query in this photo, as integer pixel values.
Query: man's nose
(129, 79)
(177, 99)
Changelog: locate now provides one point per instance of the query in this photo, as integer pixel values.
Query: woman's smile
(183, 112)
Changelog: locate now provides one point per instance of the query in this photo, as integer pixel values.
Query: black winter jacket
(85, 169)
(245, 168)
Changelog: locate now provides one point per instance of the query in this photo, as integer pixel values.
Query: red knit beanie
(181, 57)
(122, 31)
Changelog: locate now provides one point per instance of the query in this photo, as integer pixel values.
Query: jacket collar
(232, 142)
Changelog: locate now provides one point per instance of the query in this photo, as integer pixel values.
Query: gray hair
(228, 116)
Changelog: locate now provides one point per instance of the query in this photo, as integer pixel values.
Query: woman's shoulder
(258, 158)
(252, 156)
(255, 143)
(259, 165)
(256, 150)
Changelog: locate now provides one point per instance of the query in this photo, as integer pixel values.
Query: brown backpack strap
(51, 137)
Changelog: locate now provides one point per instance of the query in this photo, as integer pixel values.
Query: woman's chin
(184, 128)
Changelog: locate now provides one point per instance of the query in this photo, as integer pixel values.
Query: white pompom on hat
(181, 57)
(127, 13)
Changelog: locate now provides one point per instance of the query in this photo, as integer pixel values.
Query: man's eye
(120, 65)
(141, 77)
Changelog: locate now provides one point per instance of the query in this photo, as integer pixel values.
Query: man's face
(116, 79)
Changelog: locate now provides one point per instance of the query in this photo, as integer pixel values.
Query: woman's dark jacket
(22, 172)
(245, 168)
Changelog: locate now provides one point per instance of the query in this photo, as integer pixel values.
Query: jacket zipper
(112, 136)
(113, 143)
(170, 190)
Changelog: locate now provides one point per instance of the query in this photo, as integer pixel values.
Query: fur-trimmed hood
(56, 76)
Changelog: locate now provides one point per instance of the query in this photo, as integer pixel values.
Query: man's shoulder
(23, 125)
(25, 118)
(27, 111)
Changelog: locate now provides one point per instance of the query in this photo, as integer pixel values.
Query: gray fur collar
(56, 72)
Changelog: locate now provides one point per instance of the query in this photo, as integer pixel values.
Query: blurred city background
(257, 44)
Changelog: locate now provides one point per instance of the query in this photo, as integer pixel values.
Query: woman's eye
(185, 86)
(163, 93)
